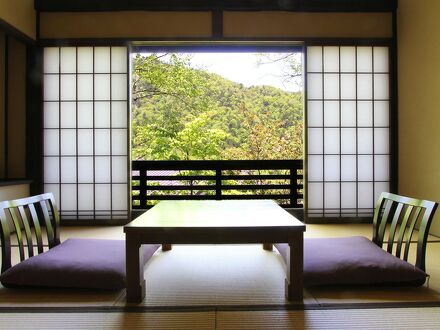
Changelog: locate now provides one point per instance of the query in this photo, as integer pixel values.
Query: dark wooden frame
(206, 5)
(28, 216)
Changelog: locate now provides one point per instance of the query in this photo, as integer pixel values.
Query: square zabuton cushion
(353, 261)
(75, 263)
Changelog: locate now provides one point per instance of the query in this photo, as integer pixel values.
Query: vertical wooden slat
(27, 230)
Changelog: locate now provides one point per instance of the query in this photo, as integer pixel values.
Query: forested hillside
(182, 113)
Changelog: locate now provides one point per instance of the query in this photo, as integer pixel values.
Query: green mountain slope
(183, 113)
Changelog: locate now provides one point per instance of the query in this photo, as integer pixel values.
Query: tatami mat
(222, 276)
(395, 318)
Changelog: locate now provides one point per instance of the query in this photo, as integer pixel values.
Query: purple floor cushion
(353, 261)
(75, 263)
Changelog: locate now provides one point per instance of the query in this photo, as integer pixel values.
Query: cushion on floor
(75, 263)
(353, 261)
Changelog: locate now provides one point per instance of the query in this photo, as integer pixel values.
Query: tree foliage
(181, 113)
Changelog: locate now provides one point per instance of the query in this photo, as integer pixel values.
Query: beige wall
(307, 25)
(14, 192)
(125, 24)
(419, 100)
(20, 14)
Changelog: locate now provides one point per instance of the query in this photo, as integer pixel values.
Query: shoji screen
(85, 131)
(348, 111)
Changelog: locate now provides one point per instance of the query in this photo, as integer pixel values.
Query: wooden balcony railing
(280, 180)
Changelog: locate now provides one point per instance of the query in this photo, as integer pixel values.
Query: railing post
(293, 186)
(143, 188)
(218, 183)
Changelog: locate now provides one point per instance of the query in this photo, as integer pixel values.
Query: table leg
(268, 246)
(295, 264)
(134, 270)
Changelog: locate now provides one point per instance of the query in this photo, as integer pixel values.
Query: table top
(216, 214)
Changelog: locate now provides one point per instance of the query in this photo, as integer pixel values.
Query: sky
(243, 68)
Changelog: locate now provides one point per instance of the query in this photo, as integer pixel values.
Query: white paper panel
(119, 114)
(331, 140)
(331, 59)
(68, 60)
(315, 141)
(365, 114)
(119, 142)
(348, 140)
(314, 86)
(85, 59)
(85, 142)
(348, 113)
(315, 196)
(102, 114)
(119, 59)
(364, 59)
(102, 87)
(68, 197)
(68, 114)
(102, 142)
(365, 193)
(85, 169)
(331, 86)
(381, 63)
(381, 113)
(331, 197)
(85, 197)
(68, 142)
(102, 169)
(119, 86)
(119, 197)
(119, 170)
(51, 111)
(331, 168)
(51, 169)
(85, 87)
(365, 168)
(381, 167)
(314, 113)
(68, 169)
(381, 86)
(348, 195)
(68, 87)
(51, 142)
(365, 140)
(365, 87)
(51, 62)
(55, 190)
(381, 141)
(348, 59)
(102, 197)
(331, 113)
(348, 168)
(85, 114)
(51, 87)
(380, 187)
(314, 59)
(315, 168)
(102, 59)
(348, 86)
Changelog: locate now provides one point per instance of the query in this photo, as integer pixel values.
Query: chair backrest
(396, 219)
(26, 219)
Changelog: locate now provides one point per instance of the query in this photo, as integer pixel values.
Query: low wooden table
(214, 222)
